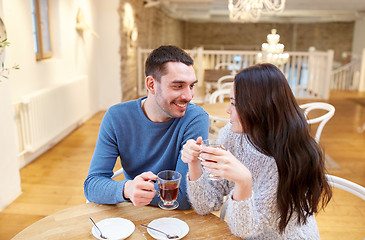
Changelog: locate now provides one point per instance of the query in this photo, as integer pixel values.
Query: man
(148, 133)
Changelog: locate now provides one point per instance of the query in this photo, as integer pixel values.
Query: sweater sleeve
(98, 186)
(206, 195)
(245, 218)
(250, 217)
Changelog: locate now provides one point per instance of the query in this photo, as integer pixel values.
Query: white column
(199, 66)
(326, 85)
(362, 72)
(140, 75)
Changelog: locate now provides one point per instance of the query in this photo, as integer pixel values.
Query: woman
(273, 170)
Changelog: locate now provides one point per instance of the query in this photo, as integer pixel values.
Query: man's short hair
(155, 63)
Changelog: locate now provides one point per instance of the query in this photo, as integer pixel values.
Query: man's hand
(190, 153)
(140, 190)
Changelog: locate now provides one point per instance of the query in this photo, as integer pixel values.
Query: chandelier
(273, 51)
(250, 10)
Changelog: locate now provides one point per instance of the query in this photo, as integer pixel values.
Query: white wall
(108, 63)
(9, 173)
(9, 170)
(74, 55)
(358, 42)
(358, 46)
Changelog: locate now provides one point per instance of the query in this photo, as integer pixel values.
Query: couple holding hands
(271, 169)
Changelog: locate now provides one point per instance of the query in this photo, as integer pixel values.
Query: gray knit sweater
(256, 217)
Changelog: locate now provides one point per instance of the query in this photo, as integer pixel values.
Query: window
(41, 33)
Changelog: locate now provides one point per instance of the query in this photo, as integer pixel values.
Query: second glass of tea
(168, 183)
(215, 143)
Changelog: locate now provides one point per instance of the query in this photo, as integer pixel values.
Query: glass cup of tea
(216, 143)
(168, 183)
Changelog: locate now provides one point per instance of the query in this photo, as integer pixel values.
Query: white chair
(346, 185)
(222, 215)
(215, 125)
(219, 95)
(323, 119)
(225, 82)
(333, 181)
(117, 173)
(217, 122)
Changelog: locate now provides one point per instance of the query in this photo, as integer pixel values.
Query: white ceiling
(295, 10)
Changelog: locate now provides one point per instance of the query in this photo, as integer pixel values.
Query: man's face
(175, 90)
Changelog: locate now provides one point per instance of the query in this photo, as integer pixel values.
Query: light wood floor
(54, 181)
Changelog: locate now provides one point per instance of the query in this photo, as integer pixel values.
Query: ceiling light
(250, 10)
(273, 51)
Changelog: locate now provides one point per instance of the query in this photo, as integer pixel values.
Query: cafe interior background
(95, 43)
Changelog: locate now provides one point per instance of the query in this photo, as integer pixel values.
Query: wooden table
(216, 109)
(212, 75)
(73, 223)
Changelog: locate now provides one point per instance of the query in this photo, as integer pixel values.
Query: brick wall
(155, 28)
(249, 36)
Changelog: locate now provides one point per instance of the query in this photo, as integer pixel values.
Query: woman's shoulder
(227, 134)
(243, 149)
(237, 141)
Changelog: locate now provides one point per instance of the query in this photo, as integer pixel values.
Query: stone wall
(249, 36)
(154, 28)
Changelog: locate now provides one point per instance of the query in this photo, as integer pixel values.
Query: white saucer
(172, 226)
(114, 228)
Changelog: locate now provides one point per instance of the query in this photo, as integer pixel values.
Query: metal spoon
(101, 235)
(167, 235)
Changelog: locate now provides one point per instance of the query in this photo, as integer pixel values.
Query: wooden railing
(308, 73)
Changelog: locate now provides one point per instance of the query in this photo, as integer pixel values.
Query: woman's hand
(222, 163)
(189, 154)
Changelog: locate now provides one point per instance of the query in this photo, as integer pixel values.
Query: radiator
(44, 114)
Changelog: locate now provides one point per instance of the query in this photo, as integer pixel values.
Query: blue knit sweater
(143, 146)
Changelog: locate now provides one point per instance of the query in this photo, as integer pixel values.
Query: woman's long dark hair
(277, 127)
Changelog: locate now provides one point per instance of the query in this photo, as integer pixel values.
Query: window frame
(42, 36)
